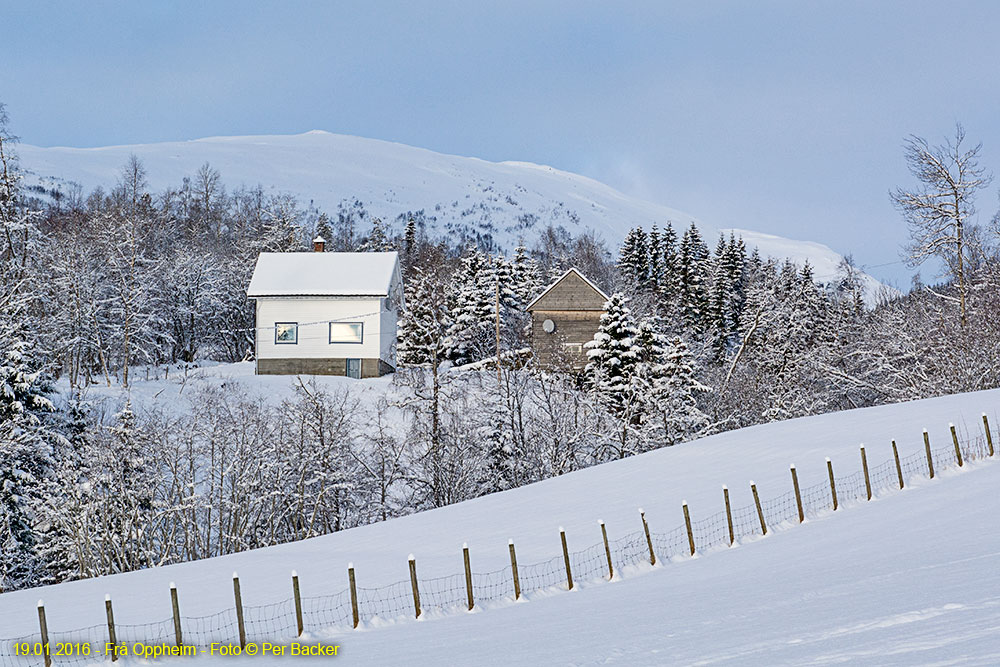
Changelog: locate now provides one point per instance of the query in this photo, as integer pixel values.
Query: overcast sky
(783, 117)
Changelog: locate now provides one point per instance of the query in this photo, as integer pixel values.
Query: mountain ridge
(489, 202)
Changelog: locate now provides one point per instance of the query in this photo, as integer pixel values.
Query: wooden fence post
(468, 575)
(899, 468)
(989, 437)
(112, 636)
(413, 584)
(760, 512)
(43, 626)
(687, 522)
(864, 466)
(729, 514)
(513, 569)
(569, 572)
(649, 540)
(927, 449)
(798, 494)
(298, 603)
(354, 594)
(239, 610)
(958, 449)
(178, 638)
(833, 483)
(607, 549)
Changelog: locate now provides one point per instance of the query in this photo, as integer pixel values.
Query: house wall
(573, 327)
(378, 338)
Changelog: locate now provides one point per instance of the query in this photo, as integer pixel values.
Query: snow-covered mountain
(503, 201)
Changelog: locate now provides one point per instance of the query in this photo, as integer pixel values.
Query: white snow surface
(912, 577)
(504, 200)
(322, 274)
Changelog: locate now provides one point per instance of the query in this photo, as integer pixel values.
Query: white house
(326, 313)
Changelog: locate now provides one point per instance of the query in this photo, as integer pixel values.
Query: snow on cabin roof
(323, 274)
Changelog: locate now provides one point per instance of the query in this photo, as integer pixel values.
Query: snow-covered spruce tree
(323, 229)
(26, 453)
(633, 261)
(378, 240)
(410, 236)
(655, 258)
(675, 392)
(473, 307)
(693, 279)
(423, 325)
(502, 460)
(669, 283)
(613, 371)
(526, 275)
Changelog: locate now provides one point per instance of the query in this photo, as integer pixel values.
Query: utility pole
(498, 327)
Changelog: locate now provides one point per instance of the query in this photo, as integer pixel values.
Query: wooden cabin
(564, 317)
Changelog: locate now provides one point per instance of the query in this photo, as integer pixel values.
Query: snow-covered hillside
(912, 577)
(504, 201)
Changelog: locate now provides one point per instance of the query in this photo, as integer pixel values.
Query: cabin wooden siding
(572, 293)
(575, 307)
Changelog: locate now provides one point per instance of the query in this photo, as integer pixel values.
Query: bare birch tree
(939, 209)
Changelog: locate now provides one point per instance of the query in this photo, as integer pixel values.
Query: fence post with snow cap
(958, 449)
(687, 523)
(413, 584)
(43, 628)
(833, 482)
(798, 494)
(298, 603)
(989, 437)
(239, 610)
(864, 466)
(354, 594)
(112, 635)
(468, 576)
(607, 549)
(927, 449)
(760, 512)
(569, 570)
(729, 514)
(178, 638)
(649, 539)
(513, 569)
(899, 468)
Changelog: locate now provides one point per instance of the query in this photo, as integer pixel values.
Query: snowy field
(910, 578)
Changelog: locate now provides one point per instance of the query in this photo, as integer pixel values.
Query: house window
(354, 369)
(574, 348)
(286, 333)
(346, 332)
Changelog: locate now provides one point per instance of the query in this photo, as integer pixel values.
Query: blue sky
(784, 117)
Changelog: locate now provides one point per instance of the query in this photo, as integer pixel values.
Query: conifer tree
(378, 240)
(655, 258)
(633, 261)
(693, 279)
(324, 230)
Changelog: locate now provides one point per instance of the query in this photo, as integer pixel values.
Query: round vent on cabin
(549, 326)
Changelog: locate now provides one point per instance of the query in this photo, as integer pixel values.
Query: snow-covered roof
(323, 274)
(559, 280)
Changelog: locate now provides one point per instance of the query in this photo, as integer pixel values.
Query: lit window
(286, 333)
(346, 332)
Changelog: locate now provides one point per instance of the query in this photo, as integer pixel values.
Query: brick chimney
(319, 244)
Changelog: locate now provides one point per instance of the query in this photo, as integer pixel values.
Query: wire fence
(277, 622)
